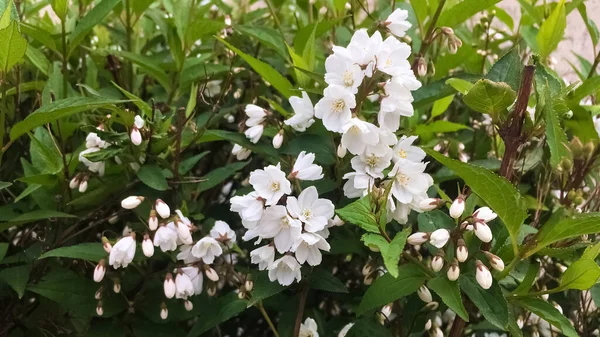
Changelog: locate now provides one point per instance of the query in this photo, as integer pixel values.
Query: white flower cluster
(93, 143)
(296, 227)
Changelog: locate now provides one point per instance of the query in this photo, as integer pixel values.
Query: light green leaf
(460, 12)
(497, 192)
(91, 19)
(59, 109)
(152, 176)
(460, 85)
(450, 294)
(439, 126)
(12, 47)
(547, 312)
(16, 277)
(359, 213)
(387, 289)
(199, 29)
(490, 302)
(45, 157)
(266, 35)
(577, 225)
(85, 251)
(591, 252)
(265, 71)
(308, 54)
(589, 87)
(5, 18)
(552, 30)
(441, 105)
(390, 251)
(490, 97)
(143, 106)
(60, 8)
(581, 274)
(530, 276)
(507, 69)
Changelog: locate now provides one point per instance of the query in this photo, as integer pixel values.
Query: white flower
(308, 328)
(277, 224)
(256, 115)
(358, 184)
(311, 210)
(183, 218)
(404, 150)
(166, 237)
(250, 207)
(303, 113)
(597, 124)
(371, 163)
(169, 286)
(92, 140)
(308, 248)
(185, 254)
(254, 133)
(99, 271)
(223, 233)
(270, 183)
(409, 181)
(196, 277)
(213, 88)
(147, 246)
(241, 153)
(278, 140)
(162, 209)
(207, 249)
(484, 214)
(122, 252)
(483, 231)
(334, 107)
(397, 23)
(285, 270)
(97, 166)
(131, 202)
(305, 169)
(138, 122)
(457, 208)
(392, 57)
(397, 101)
(362, 50)
(184, 286)
(345, 330)
(439, 237)
(358, 134)
(483, 275)
(136, 136)
(343, 72)
(183, 232)
(263, 256)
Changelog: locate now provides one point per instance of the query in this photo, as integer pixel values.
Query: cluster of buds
(80, 182)
(453, 41)
(136, 135)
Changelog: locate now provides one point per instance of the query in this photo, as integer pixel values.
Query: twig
(301, 306)
(429, 36)
(260, 307)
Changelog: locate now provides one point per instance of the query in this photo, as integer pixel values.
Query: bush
(296, 168)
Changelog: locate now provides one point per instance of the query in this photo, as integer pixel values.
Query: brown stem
(300, 313)
(458, 326)
(428, 37)
(594, 66)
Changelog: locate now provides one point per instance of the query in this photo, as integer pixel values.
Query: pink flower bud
(483, 275)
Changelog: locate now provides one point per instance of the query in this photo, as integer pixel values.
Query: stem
(267, 318)
(300, 313)
(428, 37)
(3, 114)
(594, 66)
(128, 33)
(275, 18)
(65, 57)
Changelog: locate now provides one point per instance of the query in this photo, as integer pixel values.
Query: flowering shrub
(296, 168)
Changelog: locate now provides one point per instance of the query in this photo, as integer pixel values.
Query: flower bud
(278, 139)
(211, 274)
(74, 183)
(152, 221)
(437, 263)
(83, 186)
(99, 309)
(117, 285)
(453, 271)
(98, 294)
(113, 219)
(588, 149)
(418, 238)
(341, 151)
(433, 305)
(241, 295)
(131, 202)
(439, 237)
(136, 136)
(189, 306)
(164, 312)
(169, 286)
(483, 275)
(106, 245)
(211, 290)
(458, 207)
(147, 246)
(447, 31)
(484, 214)
(429, 204)
(462, 253)
(99, 271)
(495, 261)
(424, 294)
(437, 332)
(421, 67)
(162, 209)
(249, 285)
(367, 269)
(428, 324)
(483, 231)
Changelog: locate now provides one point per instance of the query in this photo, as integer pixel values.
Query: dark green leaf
(91, 19)
(264, 288)
(490, 302)
(217, 176)
(33, 216)
(549, 313)
(225, 308)
(16, 277)
(507, 70)
(555, 134)
(324, 280)
(3, 250)
(152, 176)
(189, 163)
(85, 251)
(450, 294)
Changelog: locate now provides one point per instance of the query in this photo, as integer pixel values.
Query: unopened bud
(341, 151)
(241, 294)
(99, 271)
(211, 274)
(152, 221)
(437, 263)
(189, 306)
(483, 275)
(418, 238)
(211, 290)
(433, 305)
(483, 231)
(428, 324)
(99, 309)
(421, 67)
(429, 204)
(447, 31)
(162, 209)
(106, 245)
(453, 271)
(136, 136)
(462, 253)
(439, 237)
(117, 286)
(131, 202)
(98, 294)
(458, 207)
(495, 261)
(147, 246)
(169, 286)
(249, 285)
(278, 139)
(164, 312)
(74, 183)
(424, 294)
(83, 186)
(566, 165)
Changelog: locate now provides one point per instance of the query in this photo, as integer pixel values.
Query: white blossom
(409, 181)
(250, 207)
(308, 328)
(183, 232)
(397, 23)
(131, 202)
(254, 133)
(241, 153)
(311, 210)
(196, 277)
(308, 248)
(122, 252)
(270, 183)
(162, 209)
(276, 223)
(341, 71)
(223, 233)
(184, 286)
(371, 163)
(439, 237)
(207, 249)
(166, 237)
(263, 256)
(147, 246)
(256, 115)
(303, 113)
(305, 169)
(404, 150)
(358, 134)
(285, 270)
(334, 107)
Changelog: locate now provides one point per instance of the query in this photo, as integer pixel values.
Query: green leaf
(303, 34)
(60, 8)
(450, 295)
(147, 64)
(319, 144)
(490, 97)
(104, 154)
(461, 11)
(547, 312)
(3, 250)
(266, 35)
(44, 157)
(368, 326)
(152, 176)
(12, 48)
(225, 308)
(490, 302)
(587, 88)
(590, 252)
(91, 19)
(33, 216)
(218, 175)
(577, 225)
(264, 288)
(324, 280)
(581, 274)
(433, 91)
(6, 16)
(433, 220)
(59, 109)
(199, 29)
(359, 213)
(530, 276)
(555, 134)
(387, 289)
(439, 126)
(143, 106)
(187, 164)
(552, 30)
(265, 71)
(507, 69)
(308, 54)
(85, 251)
(497, 192)
(460, 85)
(441, 105)
(16, 277)
(390, 251)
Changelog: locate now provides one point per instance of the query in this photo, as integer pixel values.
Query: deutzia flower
(304, 169)
(285, 270)
(392, 57)
(250, 207)
(358, 134)
(223, 233)
(358, 184)
(98, 166)
(263, 256)
(343, 72)
(334, 107)
(484, 214)
(213, 88)
(371, 163)
(409, 181)
(309, 328)
(136, 136)
(404, 150)
(277, 224)
(311, 210)
(184, 286)
(185, 254)
(362, 49)
(241, 153)
(303, 113)
(256, 115)
(396, 102)
(183, 232)
(397, 23)
(254, 133)
(196, 277)
(166, 237)
(308, 248)
(270, 183)
(122, 252)
(207, 249)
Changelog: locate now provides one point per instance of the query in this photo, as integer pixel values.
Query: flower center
(307, 213)
(338, 106)
(372, 160)
(402, 154)
(285, 222)
(348, 79)
(402, 179)
(389, 62)
(274, 186)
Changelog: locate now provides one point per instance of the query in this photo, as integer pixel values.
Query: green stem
(129, 32)
(594, 66)
(65, 58)
(275, 18)
(428, 37)
(260, 307)
(3, 114)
